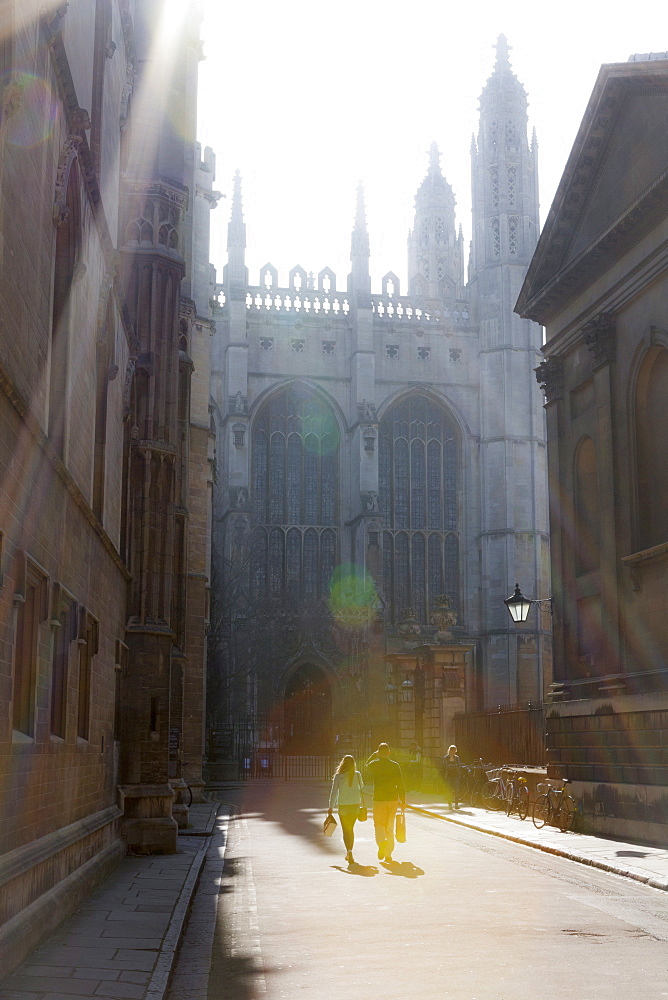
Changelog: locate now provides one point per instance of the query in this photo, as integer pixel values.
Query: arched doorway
(308, 712)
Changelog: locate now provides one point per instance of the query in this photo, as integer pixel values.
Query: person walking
(388, 794)
(451, 776)
(347, 792)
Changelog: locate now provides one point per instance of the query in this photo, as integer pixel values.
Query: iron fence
(268, 764)
(507, 735)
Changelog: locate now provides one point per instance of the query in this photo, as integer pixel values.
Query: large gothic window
(295, 477)
(417, 482)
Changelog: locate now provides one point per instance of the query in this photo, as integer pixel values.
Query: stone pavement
(637, 861)
(122, 942)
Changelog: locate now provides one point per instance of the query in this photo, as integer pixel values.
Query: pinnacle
(502, 53)
(360, 214)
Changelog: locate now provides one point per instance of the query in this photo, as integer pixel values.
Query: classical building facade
(104, 449)
(381, 470)
(599, 283)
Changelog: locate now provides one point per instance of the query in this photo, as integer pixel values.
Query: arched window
(295, 476)
(652, 449)
(586, 508)
(417, 482)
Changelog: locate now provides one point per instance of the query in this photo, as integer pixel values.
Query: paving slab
(121, 943)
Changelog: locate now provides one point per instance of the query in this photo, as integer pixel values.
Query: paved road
(459, 914)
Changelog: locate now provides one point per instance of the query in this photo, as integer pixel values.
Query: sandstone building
(381, 472)
(599, 283)
(104, 443)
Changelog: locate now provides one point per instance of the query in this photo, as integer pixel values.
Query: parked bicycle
(517, 796)
(553, 805)
(495, 790)
(473, 779)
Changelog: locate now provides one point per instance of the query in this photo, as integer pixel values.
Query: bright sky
(307, 98)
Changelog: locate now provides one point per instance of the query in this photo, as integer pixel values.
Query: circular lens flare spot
(352, 596)
(35, 111)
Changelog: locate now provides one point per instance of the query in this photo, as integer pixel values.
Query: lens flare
(352, 596)
(321, 432)
(35, 114)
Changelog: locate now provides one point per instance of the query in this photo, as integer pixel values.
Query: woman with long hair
(347, 793)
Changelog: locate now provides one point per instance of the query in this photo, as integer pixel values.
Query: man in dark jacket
(388, 792)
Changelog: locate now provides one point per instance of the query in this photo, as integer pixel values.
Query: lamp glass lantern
(518, 605)
(407, 690)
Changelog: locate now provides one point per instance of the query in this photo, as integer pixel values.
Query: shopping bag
(400, 832)
(329, 825)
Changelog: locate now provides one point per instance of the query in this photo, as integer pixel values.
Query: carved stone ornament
(599, 335)
(12, 100)
(128, 86)
(409, 627)
(443, 616)
(367, 411)
(80, 121)
(370, 501)
(52, 19)
(127, 387)
(550, 377)
(238, 403)
(69, 151)
(239, 497)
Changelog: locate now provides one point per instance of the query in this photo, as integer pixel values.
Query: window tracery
(295, 476)
(417, 480)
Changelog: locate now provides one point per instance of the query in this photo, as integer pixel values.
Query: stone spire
(236, 229)
(235, 272)
(359, 244)
(504, 174)
(359, 247)
(502, 55)
(435, 269)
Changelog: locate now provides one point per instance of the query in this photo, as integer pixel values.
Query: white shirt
(344, 793)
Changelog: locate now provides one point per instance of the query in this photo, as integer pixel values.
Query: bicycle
(517, 797)
(495, 790)
(553, 805)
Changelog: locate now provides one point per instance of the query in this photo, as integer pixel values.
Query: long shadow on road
(298, 808)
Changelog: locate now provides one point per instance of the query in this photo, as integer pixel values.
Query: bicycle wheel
(541, 811)
(522, 801)
(566, 813)
(490, 799)
(510, 797)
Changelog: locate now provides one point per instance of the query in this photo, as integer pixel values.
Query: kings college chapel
(381, 472)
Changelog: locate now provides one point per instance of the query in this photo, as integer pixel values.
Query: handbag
(364, 812)
(329, 826)
(400, 832)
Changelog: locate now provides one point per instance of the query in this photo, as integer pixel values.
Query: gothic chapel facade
(381, 470)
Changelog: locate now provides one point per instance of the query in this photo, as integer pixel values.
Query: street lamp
(407, 690)
(518, 605)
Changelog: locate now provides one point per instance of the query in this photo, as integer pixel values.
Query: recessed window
(328, 346)
(423, 353)
(298, 346)
(266, 344)
(392, 351)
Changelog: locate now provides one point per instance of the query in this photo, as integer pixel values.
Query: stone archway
(307, 711)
